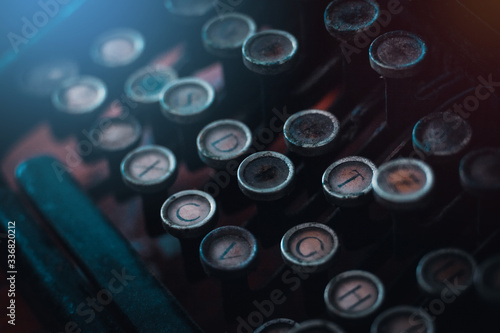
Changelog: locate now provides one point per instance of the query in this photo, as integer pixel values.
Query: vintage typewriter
(250, 166)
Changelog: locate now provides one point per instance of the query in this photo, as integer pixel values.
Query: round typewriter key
(229, 252)
(223, 141)
(189, 8)
(79, 95)
(42, 79)
(189, 214)
(266, 176)
(279, 325)
(146, 84)
(187, 100)
(346, 18)
(348, 181)
(224, 35)
(403, 184)
(316, 325)
(398, 54)
(270, 52)
(439, 136)
(309, 247)
(487, 281)
(118, 47)
(311, 132)
(354, 295)
(149, 169)
(439, 270)
(403, 319)
(480, 172)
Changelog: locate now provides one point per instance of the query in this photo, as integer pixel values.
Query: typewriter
(250, 166)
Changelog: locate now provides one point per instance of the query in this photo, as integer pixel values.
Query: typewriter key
(114, 137)
(480, 176)
(266, 176)
(439, 136)
(279, 325)
(223, 37)
(403, 184)
(186, 102)
(403, 319)
(399, 56)
(311, 248)
(189, 215)
(78, 101)
(118, 47)
(441, 269)
(311, 132)
(230, 253)
(271, 54)
(487, 281)
(150, 170)
(348, 181)
(223, 141)
(346, 20)
(354, 295)
(316, 325)
(79, 96)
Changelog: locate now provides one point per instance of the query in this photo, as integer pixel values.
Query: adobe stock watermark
(437, 306)
(363, 39)
(264, 309)
(32, 25)
(93, 137)
(91, 305)
(222, 178)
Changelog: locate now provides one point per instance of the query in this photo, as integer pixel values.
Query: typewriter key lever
(150, 170)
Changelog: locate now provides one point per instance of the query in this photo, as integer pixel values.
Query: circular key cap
(149, 169)
(224, 35)
(118, 47)
(42, 79)
(115, 135)
(270, 52)
(348, 181)
(79, 95)
(222, 141)
(189, 214)
(403, 319)
(487, 281)
(439, 136)
(398, 54)
(443, 269)
(279, 325)
(228, 252)
(146, 84)
(354, 294)
(346, 18)
(309, 247)
(311, 132)
(480, 172)
(316, 325)
(266, 176)
(189, 8)
(403, 184)
(187, 100)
